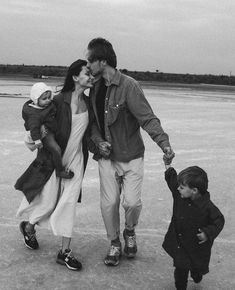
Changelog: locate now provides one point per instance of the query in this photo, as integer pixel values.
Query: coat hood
(37, 90)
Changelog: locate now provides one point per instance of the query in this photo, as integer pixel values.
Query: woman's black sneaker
(30, 240)
(67, 259)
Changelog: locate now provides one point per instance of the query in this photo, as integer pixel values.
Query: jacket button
(106, 112)
(180, 235)
(178, 247)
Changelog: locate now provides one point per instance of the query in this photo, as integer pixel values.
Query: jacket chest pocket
(115, 112)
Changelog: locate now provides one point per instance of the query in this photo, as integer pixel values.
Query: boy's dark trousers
(181, 278)
(52, 146)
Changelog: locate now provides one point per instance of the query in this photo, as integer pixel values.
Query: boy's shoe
(65, 174)
(197, 277)
(130, 248)
(113, 256)
(30, 240)
(67, 259)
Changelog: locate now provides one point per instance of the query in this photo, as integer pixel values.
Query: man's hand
(105, 148)
(201, 237)
(168, 155)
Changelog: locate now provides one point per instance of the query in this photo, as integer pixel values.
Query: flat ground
(201, 130)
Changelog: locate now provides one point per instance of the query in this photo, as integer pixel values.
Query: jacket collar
(67, 97)
(116, 79)
(202, 201)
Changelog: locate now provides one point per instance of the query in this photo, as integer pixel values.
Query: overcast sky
(180, 36)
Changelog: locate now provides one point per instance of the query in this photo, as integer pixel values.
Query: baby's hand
(202, 237)
(38, 144)
(44, 131)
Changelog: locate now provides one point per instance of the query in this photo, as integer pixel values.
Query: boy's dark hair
(102, 49)
(194, 176)
(74, 70)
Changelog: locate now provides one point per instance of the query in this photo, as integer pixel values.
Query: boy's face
(45, 99)
(186, 192)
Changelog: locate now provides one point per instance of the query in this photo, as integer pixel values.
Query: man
(120, 109)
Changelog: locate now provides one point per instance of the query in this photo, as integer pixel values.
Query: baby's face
(45, 99)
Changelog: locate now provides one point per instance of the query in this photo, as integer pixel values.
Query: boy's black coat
(39, 171)
(181, 241)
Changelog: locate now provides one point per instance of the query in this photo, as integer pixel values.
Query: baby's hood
(37, 90)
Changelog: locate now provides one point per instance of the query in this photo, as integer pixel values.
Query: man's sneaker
(130, 248)
(29, 238)
(197, 277)
(67, 259)
(113, 256)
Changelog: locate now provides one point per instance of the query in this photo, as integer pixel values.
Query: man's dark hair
(194, 177)
(102, 49)
(74, 70)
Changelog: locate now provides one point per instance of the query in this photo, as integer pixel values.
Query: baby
(39, 114)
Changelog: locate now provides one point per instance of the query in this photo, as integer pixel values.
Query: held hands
(105, 149)
(168, 156)
(201, 237)
(38, 144)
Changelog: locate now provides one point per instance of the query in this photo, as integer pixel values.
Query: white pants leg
(109, 198)
(117, 178)
(131, 189)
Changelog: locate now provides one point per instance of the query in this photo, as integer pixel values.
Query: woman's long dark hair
(74, 70)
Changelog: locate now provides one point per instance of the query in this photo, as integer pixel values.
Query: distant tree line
(33, 70)
(60, 71)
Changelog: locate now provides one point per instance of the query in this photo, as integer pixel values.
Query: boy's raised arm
(170, 176)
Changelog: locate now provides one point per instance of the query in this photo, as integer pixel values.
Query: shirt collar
(116, 78)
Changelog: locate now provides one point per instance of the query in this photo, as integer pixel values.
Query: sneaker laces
(131, 241)
(114, 250)
(31, 236)
(69, 255)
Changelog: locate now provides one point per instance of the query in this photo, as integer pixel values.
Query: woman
(56, 203)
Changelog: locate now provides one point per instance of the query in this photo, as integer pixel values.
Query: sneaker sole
(63, 263)
(129, 256)
(110, 264)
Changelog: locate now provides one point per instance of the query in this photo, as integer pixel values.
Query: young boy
(195, 224)
(39, 116)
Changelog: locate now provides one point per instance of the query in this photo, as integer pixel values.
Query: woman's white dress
(47, 208)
